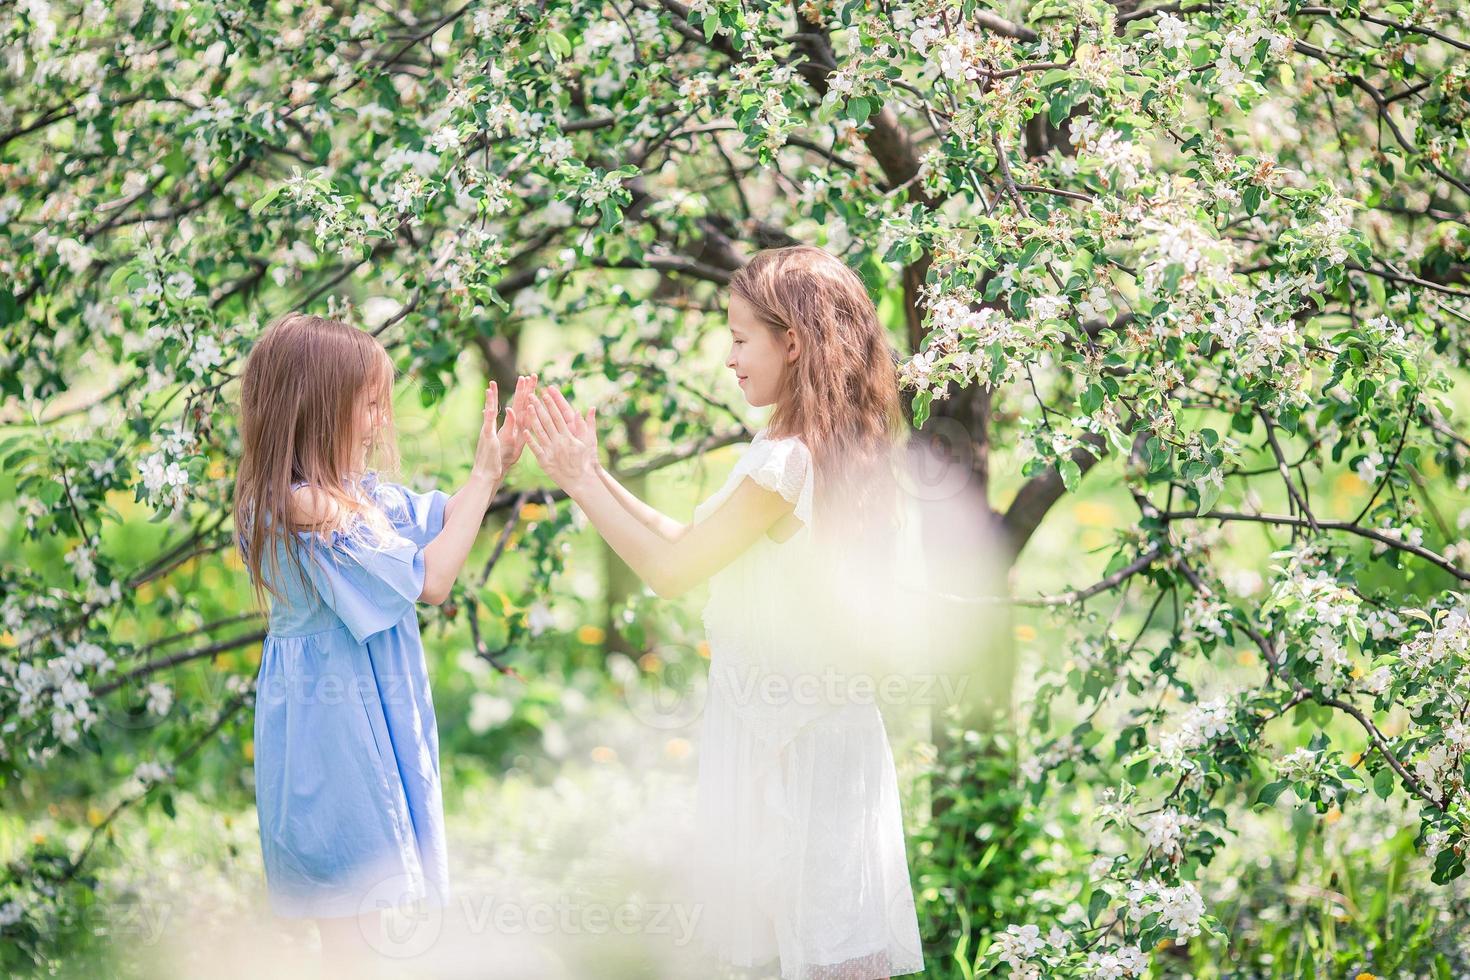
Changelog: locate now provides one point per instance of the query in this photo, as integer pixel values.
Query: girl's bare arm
(650, 517)
(673, 567)
(445, 556)
(494, 453)
(565, 447)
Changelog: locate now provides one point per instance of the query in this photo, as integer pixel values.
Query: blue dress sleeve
(419, 517)
(369, 584)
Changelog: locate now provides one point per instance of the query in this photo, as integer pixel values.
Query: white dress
(802, 854)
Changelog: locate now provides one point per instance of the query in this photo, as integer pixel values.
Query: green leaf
(175, 163)
(1173, 272)
(119, 276)
(1209, 492)
(265, 201)
(1447, 867)
(558, 43)
(1096, 904)
(921, 407)
(1271, 791)
(1071, 472)
(611, 216)
(1092, 398)
(1059, 107)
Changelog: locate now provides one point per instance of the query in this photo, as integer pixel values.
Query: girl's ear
(793, 345)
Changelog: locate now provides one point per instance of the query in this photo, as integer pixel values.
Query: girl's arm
(463, 493)
(650, 517)
(446, 554)
(670, 568)
(673, 567)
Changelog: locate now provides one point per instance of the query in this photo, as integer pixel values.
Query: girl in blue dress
(346, 748)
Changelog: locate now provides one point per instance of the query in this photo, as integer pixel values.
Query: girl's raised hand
(562, 453)
(488, 451)
(584, 427)
(513, 432)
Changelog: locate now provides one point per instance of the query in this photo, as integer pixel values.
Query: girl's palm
(513, 433)
(488, 449)
(583, 427)
(566, 455)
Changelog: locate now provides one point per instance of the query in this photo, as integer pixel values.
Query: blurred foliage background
(1143, 263)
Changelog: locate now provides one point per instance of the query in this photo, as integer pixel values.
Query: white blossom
(165, 481)
(539, 618)
(1047, 306)
(1171, 31)
(1164, 831)
(445, 139)
(205, 354)
(160, 698)
(182, 283)
(76, 256)
(1018, 944)
(1117, 963)
(150, 772)
(1369, 467)
(1301, 764)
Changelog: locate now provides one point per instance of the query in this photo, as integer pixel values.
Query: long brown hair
(301, 385)
(840, 395)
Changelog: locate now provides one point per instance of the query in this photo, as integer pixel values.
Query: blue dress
(346, 747)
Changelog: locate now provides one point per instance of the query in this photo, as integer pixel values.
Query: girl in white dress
(803, 859)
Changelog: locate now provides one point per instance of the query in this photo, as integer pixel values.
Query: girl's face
(759, 356)
(368, 414)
